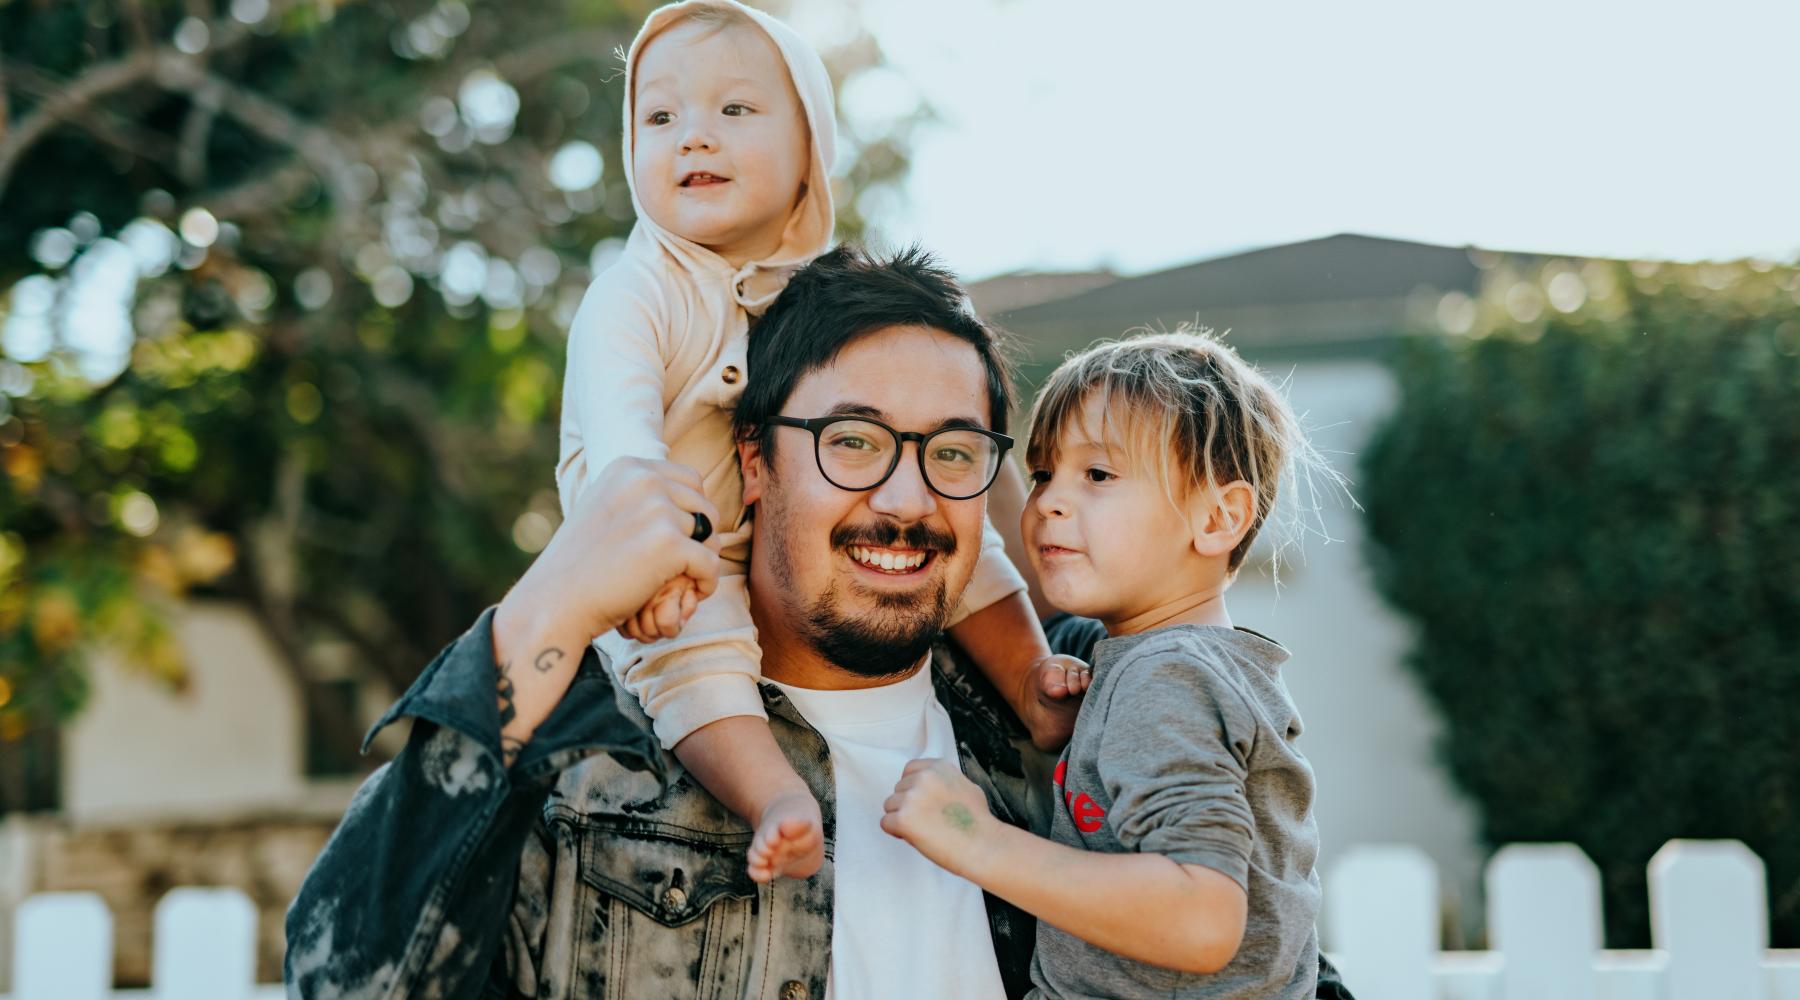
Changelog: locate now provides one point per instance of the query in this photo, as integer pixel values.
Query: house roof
(1338, 294)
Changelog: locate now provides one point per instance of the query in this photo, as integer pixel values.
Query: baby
(728, 144)
(1181, 849)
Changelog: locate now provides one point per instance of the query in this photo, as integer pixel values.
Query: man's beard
(891, 639)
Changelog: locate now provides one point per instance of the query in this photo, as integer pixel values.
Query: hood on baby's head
(810, 227)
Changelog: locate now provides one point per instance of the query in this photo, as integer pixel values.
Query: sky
(1142, 134)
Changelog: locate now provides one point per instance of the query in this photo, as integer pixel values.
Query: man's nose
(904, 496)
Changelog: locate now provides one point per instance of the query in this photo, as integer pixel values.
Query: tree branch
(108, 78)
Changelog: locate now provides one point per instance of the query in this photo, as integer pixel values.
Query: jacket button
(674, 900)
(730, 375)
(793, 989)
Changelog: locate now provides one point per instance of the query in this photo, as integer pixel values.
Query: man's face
(817, 567)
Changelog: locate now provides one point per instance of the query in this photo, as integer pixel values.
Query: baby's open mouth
(897, 562)
(702, 179)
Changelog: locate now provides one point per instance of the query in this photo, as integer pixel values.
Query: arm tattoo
(547, 659)
(503, 686)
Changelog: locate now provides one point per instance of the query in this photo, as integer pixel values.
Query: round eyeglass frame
(816, 425)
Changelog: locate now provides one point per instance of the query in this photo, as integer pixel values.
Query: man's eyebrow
(876, 413)
(856, 410)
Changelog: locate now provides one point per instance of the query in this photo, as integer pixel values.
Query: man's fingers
(690, 501)
(701, 566)
(680, 472)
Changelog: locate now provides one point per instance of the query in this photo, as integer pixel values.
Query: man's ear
(1220, 518)
(750, 464)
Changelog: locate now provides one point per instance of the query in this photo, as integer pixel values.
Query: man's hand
(627, 537)
(941, 813)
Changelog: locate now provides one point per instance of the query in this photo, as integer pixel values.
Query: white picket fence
(1709, 924)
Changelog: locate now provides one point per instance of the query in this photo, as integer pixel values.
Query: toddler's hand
(1058, 682)
(941, 813)
(664, 614)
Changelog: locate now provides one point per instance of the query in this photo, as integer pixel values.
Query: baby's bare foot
(790, 839)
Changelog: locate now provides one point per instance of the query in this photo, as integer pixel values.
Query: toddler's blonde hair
(1184, 406)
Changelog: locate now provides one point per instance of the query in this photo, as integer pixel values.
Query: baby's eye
(739, 111)
(657, 118)
(1038, 477)
(1099, 475)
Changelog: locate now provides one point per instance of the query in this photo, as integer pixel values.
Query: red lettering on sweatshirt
(1086, 813)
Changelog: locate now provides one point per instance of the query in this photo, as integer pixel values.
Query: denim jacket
(594, 867)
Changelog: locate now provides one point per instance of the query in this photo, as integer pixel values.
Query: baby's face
(720, 146)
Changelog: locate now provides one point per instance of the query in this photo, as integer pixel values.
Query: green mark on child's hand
(960, 817)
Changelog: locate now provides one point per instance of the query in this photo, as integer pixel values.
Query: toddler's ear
(1219, 520)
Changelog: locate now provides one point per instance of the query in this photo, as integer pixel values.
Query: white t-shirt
(901, 926)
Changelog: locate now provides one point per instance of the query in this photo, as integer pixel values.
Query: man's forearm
(1143, 906)
(535, 657)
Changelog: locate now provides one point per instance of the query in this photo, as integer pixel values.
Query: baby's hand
(1058, 682)
(939, 812)
(663, 615)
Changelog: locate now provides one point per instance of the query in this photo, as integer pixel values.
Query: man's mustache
(887, 534)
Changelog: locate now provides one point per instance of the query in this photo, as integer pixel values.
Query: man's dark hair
(837, 298)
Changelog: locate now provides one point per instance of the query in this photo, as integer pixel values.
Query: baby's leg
(737, 760)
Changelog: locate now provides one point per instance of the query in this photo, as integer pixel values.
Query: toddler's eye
(1038, 477)
(740, 110)
(657, 118)
(1099, 475)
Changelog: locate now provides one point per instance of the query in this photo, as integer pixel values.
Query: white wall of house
(1369, 733)
(232, 744)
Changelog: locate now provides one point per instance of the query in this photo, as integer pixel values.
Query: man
(593, 865)
(539, 844)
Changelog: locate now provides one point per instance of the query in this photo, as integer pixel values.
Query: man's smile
(892, 562)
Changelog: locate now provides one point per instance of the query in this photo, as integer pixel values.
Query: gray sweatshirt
(1184, 747)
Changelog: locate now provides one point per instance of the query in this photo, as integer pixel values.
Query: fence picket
(1544, 917)
(205, 945)
(1709, 910)
(62, 948)
(1383, 918)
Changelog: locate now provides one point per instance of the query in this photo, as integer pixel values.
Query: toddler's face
(720, 146)
(1101, 533)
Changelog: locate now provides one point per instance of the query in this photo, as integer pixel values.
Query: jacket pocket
(671, 909)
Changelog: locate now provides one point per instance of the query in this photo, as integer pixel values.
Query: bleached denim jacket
(595, 867)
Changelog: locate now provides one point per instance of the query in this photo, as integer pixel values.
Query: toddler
(728, 145)
(1181, 849)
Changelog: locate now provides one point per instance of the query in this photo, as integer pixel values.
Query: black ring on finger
(702, 528)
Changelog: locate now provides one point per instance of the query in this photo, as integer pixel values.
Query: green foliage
(335, 396)
(1592, 517)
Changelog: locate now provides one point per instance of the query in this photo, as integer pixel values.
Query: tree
(289, 283)
(1590, 510)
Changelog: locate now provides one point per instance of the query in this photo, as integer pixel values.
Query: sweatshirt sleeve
(1174, 757)
(995, 576)
(613, 381)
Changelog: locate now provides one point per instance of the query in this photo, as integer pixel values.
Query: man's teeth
(887, 560)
